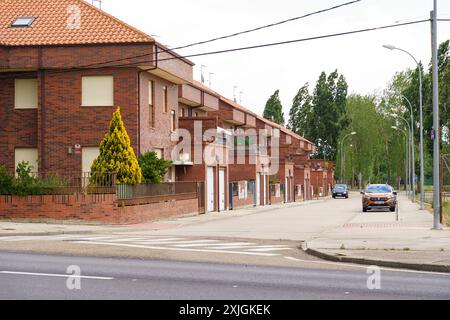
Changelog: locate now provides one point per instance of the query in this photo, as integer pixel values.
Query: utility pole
(436, 122)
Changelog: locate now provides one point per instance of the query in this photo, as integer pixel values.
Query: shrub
(6, 181)
(26, 184)
(153, 169)
(116, 155)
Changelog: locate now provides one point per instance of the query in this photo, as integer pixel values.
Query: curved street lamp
(342, 158)
(411, 151)
(407, 162)
(422, 174)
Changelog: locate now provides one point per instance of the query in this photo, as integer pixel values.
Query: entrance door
(210, 189)
(258, 190)
(286, 190)
(222, 190)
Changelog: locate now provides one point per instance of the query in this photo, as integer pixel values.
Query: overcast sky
(258, 73)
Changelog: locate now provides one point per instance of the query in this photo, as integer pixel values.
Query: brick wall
(65, 122)
(239, 203)
(18, 128)
(90, 208)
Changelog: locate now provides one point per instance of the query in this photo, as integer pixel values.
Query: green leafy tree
(116, 154)
(153, 168)
(300, 113)
(274, 110)
(326, 114)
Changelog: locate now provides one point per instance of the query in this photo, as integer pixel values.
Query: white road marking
(221, 246)
(122, 239)
(180, 249)
(269, 249)
(54, 275)
(161, 240)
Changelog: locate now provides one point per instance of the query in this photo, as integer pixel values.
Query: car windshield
(340, 187)
(379, 189)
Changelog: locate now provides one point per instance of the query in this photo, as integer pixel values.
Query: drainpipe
(41, 147)
(139, 99)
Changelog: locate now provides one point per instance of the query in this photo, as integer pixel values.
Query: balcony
(189, 95)
(197, 98)
(170, 66)
(234, 117)
(250, 121)
(184, 159)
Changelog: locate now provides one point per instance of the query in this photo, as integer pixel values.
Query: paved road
(30, 276)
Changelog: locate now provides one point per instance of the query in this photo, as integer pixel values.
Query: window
(159, 153)
(29, 155)
(181, 112)
(173, 120)
(97, 91)
(251, 187)
(150, 104)
(25, 93)
(23, 22)
(89, 154)
(164, 99)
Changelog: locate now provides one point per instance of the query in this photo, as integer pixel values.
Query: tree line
(327, 113)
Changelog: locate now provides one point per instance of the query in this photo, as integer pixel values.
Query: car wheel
(393, 209)
(364, 209)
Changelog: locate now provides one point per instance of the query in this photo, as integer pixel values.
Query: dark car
(340, 191)
(379, 196)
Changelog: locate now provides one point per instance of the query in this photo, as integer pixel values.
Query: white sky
(258, 73)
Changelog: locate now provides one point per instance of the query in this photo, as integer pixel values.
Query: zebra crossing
(168, 243)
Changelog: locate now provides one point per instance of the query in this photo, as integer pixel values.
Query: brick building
(64, 68)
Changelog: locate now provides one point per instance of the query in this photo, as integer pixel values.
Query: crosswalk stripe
(267, 249)
(161, 240)
(184, 249)
(11, 239)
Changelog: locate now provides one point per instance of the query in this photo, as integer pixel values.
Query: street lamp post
(342, 158)
(411, 148)
(407, 162)
(422, 174)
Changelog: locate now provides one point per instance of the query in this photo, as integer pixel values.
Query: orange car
(379, 196)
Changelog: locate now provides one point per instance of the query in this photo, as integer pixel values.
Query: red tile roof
(243, 109)
(51, 24)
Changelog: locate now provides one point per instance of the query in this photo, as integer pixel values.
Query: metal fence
(154, 193)
(50, 183)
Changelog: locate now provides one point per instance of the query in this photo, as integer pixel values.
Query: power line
(284, 42)
(230, 35)
(333, 35)
(268, 25)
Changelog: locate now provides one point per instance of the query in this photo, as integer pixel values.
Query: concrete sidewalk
(47, 227)
(376, 238)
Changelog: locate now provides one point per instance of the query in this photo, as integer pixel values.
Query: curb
(380, 263)
(40, 234)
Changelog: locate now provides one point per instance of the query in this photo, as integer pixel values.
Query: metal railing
(50, 183)
(140, 194)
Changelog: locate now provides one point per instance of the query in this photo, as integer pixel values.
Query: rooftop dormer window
(23, 22)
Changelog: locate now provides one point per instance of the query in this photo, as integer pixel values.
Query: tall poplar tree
(274, 110)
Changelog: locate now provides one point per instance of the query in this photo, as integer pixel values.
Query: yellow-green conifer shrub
(117, 155)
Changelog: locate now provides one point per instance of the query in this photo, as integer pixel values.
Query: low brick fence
(102, 208)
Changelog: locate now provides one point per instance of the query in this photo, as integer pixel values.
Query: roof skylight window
(23, 22)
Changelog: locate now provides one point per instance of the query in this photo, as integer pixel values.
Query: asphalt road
(33, 276)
